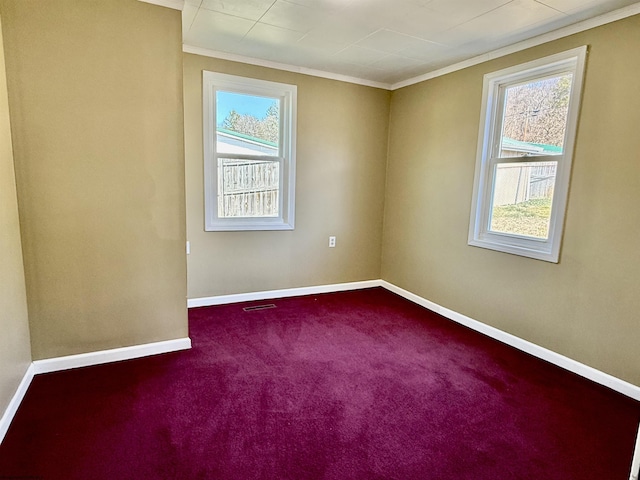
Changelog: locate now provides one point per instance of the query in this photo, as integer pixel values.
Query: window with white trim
(249, 153)
(525, 148)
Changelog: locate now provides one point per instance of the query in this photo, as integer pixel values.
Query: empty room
(319, 239)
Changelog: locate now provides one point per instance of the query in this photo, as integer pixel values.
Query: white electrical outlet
(332, 241)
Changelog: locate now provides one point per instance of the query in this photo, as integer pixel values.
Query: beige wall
(95, 93)
(341, 161)
(585, 307)
(15, 349)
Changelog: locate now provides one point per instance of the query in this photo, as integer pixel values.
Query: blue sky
(241, 103)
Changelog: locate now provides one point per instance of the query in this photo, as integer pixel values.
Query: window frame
(212, 82)
(487, 157)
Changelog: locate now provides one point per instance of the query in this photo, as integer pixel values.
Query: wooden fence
(248, 188)
(517, 182)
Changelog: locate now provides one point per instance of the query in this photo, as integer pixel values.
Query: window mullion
(244, 156)
(248, 179)
(519, 201)
(527, 159)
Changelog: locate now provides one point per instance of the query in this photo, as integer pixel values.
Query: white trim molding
(490, 156)
(590, 373)
(550, 356)
(562, 32)
(279, 158)
(635, 463)
(137, 351)
(84, 360)
(174, 4)
(107, 356)
(206, 52)
(16, 400)
(286, 292)
(594, 22)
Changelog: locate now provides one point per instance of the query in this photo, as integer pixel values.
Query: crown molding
(594, 22)
(175, 4)
(205, 52)
(598, 21)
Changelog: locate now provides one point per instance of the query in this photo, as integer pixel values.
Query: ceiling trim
(598, 21)
(205, 52)
(175, 4)
(594, 22)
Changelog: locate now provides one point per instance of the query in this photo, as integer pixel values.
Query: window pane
(248, 188)
(522, 197)
(247, 124)
(535, 117)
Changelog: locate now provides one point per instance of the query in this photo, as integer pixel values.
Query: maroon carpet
(356, 385)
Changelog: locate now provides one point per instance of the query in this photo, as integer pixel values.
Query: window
(249, 153)
(525, 147)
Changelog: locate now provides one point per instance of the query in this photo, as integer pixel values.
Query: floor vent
(259, 307)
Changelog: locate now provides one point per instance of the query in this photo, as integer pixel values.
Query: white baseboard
(107, 356)
(137, 351)
(550, 356)
(285, 292)
(635, 463)
(15, 402)
(83, 360)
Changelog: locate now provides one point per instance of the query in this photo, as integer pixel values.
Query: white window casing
(284, 158)
(490, 139)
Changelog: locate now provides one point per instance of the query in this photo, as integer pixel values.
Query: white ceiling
(377, 41)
